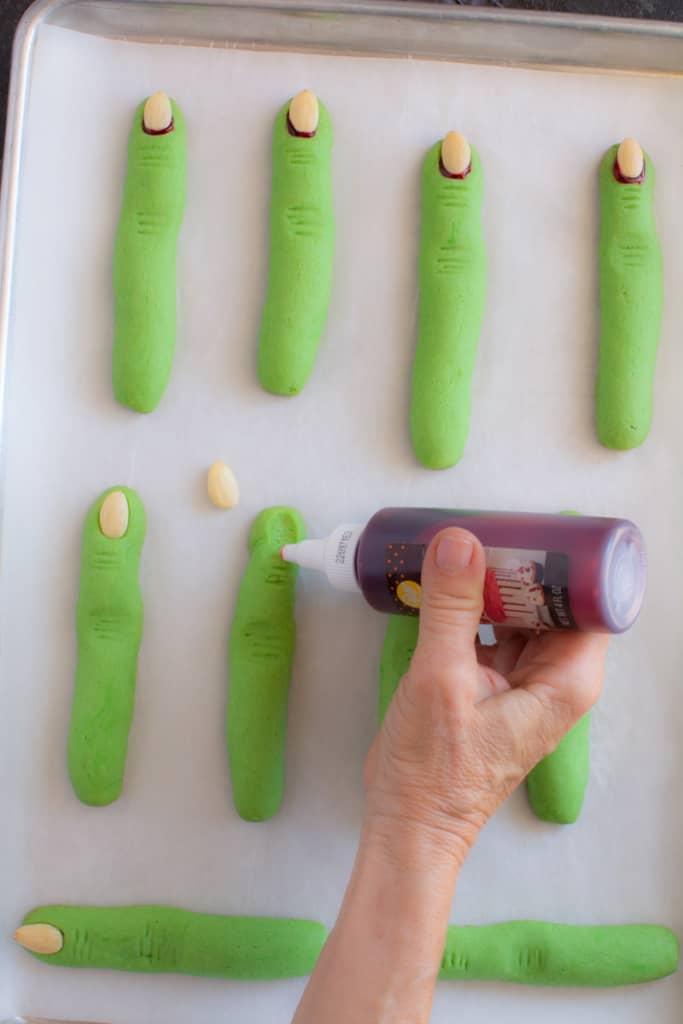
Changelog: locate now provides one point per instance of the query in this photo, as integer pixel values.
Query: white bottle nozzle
(335, 556)
(309, 554)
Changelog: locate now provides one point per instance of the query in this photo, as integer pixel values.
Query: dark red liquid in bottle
(543, 571)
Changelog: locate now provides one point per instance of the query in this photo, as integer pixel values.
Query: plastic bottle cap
(335, 556)
(626, 577)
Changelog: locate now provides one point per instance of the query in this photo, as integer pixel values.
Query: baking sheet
(339, 451)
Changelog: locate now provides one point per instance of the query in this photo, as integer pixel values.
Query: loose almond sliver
(222, 486)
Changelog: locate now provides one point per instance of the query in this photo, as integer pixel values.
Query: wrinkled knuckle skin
(559, 712)
(504, 759)
(442, 607)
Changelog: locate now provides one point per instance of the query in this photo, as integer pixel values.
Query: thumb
(451, 600)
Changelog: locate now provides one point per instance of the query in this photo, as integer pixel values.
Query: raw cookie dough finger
(452, 293)
(262, 641)
(168, 940)
(145, 255)
(631, 296)
(557, 785)
(109, 619)
(159, 940)
(400, 641)
(301, 245)
(542, 953)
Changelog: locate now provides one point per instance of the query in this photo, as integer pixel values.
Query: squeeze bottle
(542, 571)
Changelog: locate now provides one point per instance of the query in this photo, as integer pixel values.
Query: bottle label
(522, 588)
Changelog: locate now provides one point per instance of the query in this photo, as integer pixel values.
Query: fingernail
(454, 553)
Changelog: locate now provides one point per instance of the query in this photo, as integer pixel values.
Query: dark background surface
(671, 10)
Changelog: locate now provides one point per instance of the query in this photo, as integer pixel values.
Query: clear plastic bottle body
(543, 571)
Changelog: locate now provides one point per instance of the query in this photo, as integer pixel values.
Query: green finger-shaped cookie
(262, 641)
(145, 261)
(109, 620)
(631, 295)
(400, 641)
(557, 785)
(452, 293)
(301, 246)
(541, 953)
(168, 940)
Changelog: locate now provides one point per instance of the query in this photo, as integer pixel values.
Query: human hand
(468, 722)
(465, 726)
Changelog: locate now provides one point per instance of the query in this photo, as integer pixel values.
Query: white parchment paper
(338, 452)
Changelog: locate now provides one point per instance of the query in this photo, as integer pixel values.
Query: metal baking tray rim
(47, 10)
